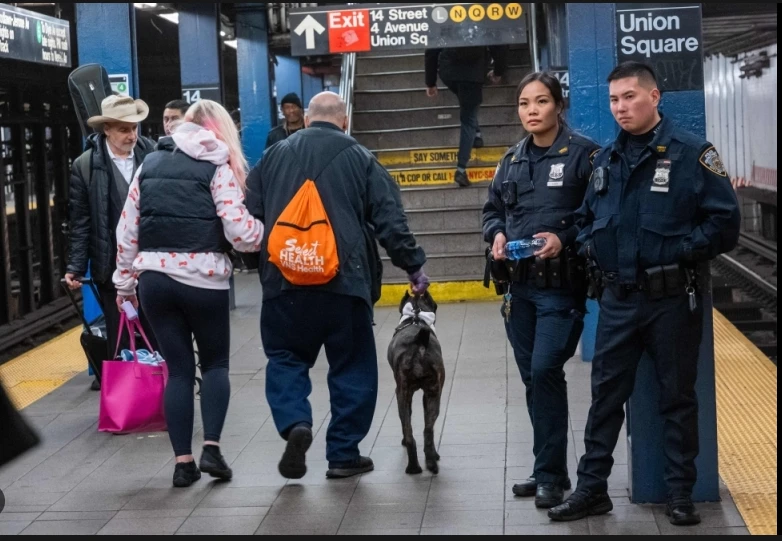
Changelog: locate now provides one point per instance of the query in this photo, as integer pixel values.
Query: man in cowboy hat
(100, 180)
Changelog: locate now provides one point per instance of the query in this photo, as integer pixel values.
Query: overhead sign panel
(378, 27)
(29, 36)
(668, 37)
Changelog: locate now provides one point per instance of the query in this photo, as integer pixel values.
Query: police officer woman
(537, 188)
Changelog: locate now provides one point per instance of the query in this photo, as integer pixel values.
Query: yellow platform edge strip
(747, 426)
(35, 374)
(442, 292)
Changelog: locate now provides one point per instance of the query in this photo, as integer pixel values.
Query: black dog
(417, 361)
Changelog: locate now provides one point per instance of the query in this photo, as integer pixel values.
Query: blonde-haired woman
(184, 213)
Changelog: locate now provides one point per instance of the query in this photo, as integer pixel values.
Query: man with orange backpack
(325, 200)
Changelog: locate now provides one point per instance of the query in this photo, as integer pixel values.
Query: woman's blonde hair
(213, 116)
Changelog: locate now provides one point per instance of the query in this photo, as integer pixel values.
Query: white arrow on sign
(310, 26)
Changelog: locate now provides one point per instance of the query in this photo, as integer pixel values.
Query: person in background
(184, 213)
(174, 111)
(293, 111)
(463, 70)
(99, 186)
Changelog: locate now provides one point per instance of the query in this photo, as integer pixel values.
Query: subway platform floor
(81, 482)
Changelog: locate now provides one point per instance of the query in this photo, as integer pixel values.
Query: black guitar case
(89, 85)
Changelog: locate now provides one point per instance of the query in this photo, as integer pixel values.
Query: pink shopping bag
(131, 393)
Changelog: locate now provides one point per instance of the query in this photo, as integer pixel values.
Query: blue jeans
(294, 328)
(544, 329)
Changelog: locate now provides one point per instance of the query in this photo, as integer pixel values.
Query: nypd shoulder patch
(711, 160)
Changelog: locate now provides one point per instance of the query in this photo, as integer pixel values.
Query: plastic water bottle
(524, 248)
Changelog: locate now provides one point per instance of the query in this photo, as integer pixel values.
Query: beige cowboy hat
(120, 109)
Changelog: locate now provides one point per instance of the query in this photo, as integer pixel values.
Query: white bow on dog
(408, 312)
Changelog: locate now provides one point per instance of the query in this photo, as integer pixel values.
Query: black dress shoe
(581, 505)
(357, 467)
(548, 496)
(529, 487)
(681, 512)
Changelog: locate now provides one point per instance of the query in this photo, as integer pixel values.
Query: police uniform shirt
(537, 190)
(676, 206)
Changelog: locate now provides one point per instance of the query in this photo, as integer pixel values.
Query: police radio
(600, 181)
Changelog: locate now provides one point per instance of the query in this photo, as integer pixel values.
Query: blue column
(592, 56)
(254, 86)
(592, 40)
(106, 35)
(200, 54)
(288, 77)
(313, 85)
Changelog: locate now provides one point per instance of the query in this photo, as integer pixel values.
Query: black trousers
(671, 334)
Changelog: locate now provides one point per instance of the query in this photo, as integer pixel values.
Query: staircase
(416, 138)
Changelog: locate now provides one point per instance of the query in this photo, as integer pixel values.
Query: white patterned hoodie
(203, 270)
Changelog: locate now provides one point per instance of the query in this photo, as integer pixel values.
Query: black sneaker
(213, 463)
(478, 142)
(681, 511)
(95, 386)
(529, 487)
(185, 474)
(461, 178)
(581, 505)
(357, 467)
(293, 464)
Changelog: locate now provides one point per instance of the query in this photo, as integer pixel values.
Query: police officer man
(660, 202)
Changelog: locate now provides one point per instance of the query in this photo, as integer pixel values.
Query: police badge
(661, 182)
(711, 160)
(556, 175)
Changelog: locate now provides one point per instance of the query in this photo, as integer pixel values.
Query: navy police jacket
(676, 206)
(520, 206)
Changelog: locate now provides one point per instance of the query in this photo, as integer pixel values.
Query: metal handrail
(346, 84)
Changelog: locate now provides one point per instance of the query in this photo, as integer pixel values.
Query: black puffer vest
(177, 209)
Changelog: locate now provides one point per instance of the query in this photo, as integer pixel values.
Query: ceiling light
(173, 17)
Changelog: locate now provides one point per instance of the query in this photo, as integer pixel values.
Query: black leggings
(177, 313)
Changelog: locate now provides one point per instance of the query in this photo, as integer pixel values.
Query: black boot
(549, 495)
(581, 505)
(681, 511)
(461, 178)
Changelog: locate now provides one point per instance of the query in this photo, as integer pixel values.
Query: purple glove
(419, 282)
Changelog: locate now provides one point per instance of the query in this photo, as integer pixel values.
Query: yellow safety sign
(446, 156)
(435, 177)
